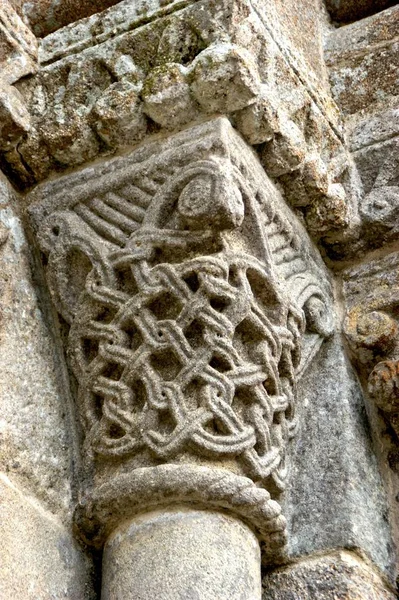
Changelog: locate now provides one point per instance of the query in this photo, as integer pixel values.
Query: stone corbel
(194, 303)
(371, 327)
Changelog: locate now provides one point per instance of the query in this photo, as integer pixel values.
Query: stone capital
(194, 302)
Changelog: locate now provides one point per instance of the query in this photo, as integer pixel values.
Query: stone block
(189, 60)
(18, 46)
(36, 431)
(39, 557)
(367, 78)
(45, 16)
(14, 118)
(167, 96)
(337, 497)
(225, 78)
(118, 114)
(287, 25)
(362, 60)
(286, 152)
(374, 128)
(340, 575)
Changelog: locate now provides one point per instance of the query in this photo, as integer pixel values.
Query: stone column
(182, 553)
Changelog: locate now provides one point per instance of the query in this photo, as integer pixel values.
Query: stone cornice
(187, 62)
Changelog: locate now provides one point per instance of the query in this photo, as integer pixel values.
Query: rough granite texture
(35, 416)
(40, 559)
(336, 576)
(45, 16)
(174, 386)
(371, 327)
(182, 554)
(336, 498)
(110, 80)
(362, 60)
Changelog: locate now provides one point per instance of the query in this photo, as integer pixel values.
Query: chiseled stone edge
(147, 488)
(292, 148)
(72, 188)
(103, 26)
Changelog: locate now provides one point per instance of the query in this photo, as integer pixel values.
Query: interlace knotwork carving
(191, 360)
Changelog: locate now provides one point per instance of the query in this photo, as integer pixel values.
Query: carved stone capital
(194, 302)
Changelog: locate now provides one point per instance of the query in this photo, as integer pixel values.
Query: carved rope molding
(371, 327)
(194, 303)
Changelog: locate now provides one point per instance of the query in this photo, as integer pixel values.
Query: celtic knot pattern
(183, 357)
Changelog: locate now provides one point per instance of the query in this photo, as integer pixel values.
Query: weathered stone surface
(118, 114)
(367, 75)
(35, 422)
(174, 554)
(167, 97)
(225, 78)
(14, 118)
(372, 295)
(194, 310)
(167, 233)
(39, 557)
(336, 498)
(45, 16)
(287, 25)
(362, 60)
(18, 58)
(103, 26)
(371, 326)
(371, 129)
(340, 575)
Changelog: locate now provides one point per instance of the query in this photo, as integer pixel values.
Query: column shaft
(180, 554)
